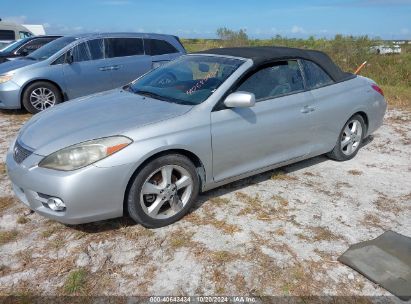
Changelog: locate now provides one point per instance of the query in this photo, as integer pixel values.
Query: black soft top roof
(265, 54)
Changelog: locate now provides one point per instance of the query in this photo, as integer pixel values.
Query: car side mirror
(240, 100)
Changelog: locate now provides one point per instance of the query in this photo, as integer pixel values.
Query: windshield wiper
(29, 58)
(151, 94)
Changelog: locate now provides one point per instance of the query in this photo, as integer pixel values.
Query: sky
(388, 19)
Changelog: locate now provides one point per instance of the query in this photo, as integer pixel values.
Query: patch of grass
(25, 256)
(223, 256)
(22, 219)
(281, 200)
(372, 221)
(225, 227)
(324, 234)
(78, 235)
(8, 236)
(220, 279)
(3, 169)
(385, 204)
(263, 212)
(4, 269)
(280, 231)
(52, 229)
(6, 202)
(220, 201)
(179, 239)
(355, 172)
(398, 96)
(57, 242)
(239, 282)
(253, 206)
(303, 237)
(282, 175)
(76, 281)
(137, 232)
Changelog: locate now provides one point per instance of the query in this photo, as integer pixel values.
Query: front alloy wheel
(163, 191)
(166, 191)
(40, 96)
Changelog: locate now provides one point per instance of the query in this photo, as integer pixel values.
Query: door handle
(104, 69)
(307, 109)
(115, 67)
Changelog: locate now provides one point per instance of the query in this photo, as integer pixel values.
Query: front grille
(20, 153)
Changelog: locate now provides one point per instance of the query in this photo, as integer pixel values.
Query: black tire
(27, 104)
(134, 206)
(337, 153)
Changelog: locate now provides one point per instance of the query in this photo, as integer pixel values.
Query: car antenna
(357, 71)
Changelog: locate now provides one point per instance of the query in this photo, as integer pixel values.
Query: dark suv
(24, 47)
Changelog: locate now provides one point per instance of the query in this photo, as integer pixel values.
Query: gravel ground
(278, 233)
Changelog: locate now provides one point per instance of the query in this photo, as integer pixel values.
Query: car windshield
(188, 80)
(51, 48)
(14, 45)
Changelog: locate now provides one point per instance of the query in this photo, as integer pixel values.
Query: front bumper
(90, 194)
(10, 95)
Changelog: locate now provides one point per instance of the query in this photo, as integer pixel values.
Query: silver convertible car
(196, 123)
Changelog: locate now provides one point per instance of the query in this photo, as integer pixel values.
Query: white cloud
(297, 30)
(405, 31)
(16, 19)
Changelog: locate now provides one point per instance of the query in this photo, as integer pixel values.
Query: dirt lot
(279, 233)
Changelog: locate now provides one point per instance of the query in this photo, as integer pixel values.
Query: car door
(329, 106)
(87, 72)
(275, 130)
(160, 51)
(126, 60)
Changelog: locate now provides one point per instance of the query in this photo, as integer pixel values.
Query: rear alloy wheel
(40, 96)
(349, 141)
(163, 191)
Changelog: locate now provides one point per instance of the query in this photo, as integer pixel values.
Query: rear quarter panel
(335, 104)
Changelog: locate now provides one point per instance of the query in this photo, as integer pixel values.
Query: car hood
(105, 114)
(12, 65)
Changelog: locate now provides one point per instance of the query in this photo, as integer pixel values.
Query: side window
(24, 35)
(278, 79)
(315, 76)
(7, 35)
(81, 52)
(89, 50)
(121, 47)
(158, 47)
(96, 48)
(34, 44)
(60, 60)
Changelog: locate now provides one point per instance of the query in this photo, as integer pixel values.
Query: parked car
(386, 49)
(194, 124)
(75, 66)
(10, 32)
(24, 47)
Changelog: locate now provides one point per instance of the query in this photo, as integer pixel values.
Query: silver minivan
(75, 66)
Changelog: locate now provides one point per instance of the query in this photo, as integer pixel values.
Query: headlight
(84, 154)
(5, 78)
